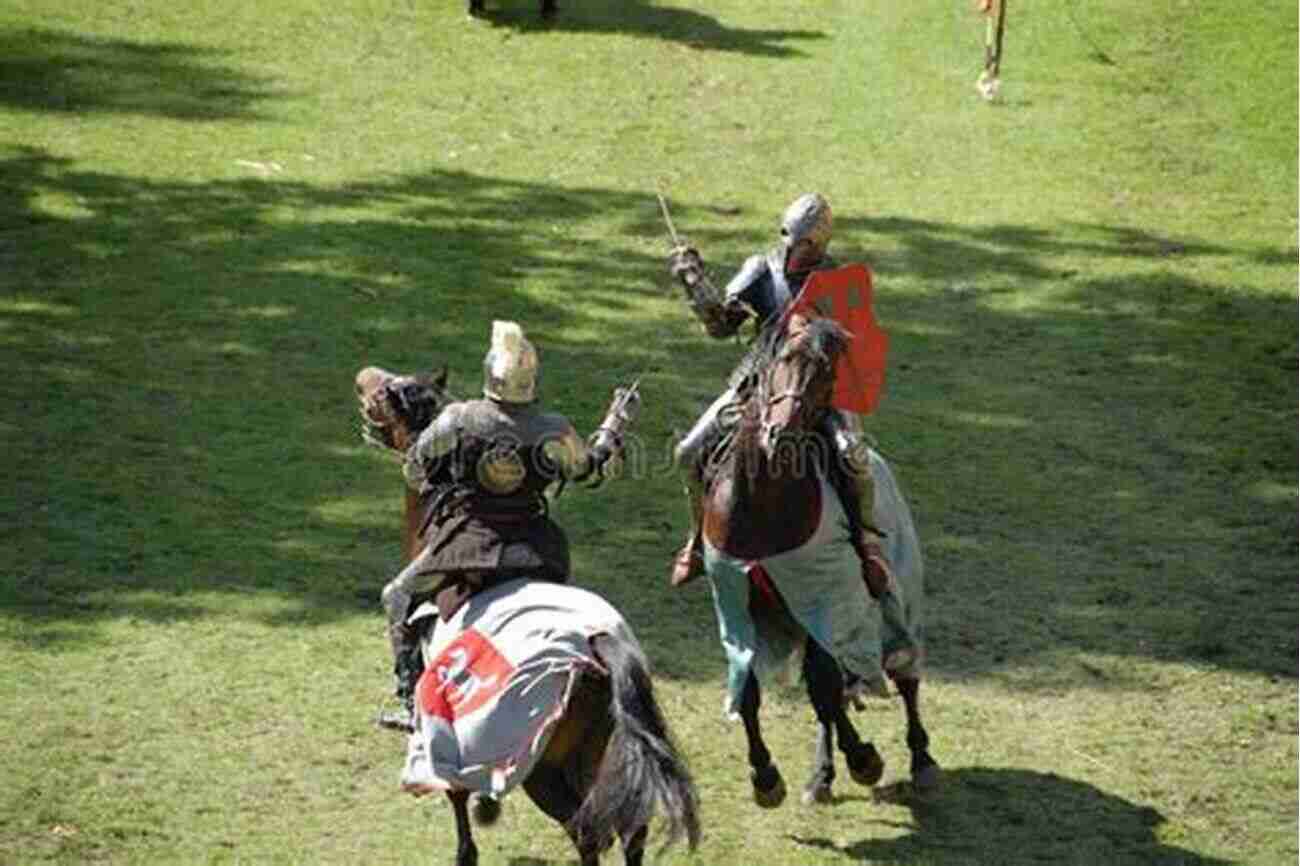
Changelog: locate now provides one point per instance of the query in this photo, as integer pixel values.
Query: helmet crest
(510, 366)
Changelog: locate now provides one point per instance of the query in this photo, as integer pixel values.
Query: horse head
(796, 385)
(394, 409)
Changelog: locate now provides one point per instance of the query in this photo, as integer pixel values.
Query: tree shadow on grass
(50, 70)
(1010, 816)
(185, 422)
(1153, 397)
(651, 21)
(181, 360)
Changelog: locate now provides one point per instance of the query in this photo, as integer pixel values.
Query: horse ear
(440, 378)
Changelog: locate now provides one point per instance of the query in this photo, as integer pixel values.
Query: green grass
(212, 214)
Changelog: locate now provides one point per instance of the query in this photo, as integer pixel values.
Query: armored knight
(489, 463)
(763, 288)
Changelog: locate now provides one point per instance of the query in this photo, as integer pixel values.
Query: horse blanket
(824, 594)
(498, 677)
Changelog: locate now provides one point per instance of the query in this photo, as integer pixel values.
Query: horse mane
(393, 404)
(821, 338)
(417, 400)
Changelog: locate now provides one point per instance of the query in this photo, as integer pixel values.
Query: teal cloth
(822, 586)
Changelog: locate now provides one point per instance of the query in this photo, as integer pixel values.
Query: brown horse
(610, 765)
(767, 491)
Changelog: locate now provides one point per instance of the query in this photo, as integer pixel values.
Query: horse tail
(642, 773)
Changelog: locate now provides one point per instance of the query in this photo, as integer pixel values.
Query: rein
(791, 394)
(756, 401)
(797, 392)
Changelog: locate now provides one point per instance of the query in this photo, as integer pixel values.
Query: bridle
(377, 425)
(769, 431)
(399, 407)
(791, 394)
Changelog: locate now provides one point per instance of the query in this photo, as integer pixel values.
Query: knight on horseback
(489, 463)
(764, 287)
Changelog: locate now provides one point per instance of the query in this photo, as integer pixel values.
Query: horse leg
(549, 788)
(634, 847)
(925, 769)
(466, 850)
(548, 8)
(769, 787)
(485, 808)
(865, 764)
(825, 686)
(475, 8)
(826, 691)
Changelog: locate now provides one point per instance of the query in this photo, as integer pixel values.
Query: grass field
(212, 214)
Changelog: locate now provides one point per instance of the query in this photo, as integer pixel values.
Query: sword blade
(663, 208)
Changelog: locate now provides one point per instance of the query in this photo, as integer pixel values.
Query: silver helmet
(510, 366)
(807, 218)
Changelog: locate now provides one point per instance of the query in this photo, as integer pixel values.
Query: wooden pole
(997, 44)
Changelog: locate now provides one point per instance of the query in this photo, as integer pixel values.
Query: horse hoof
(817, 795)
(769, 787)
(486, 810)
(866, 766)
(927, 778)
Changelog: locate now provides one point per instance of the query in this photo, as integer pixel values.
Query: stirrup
(399, 719)
(687, 565)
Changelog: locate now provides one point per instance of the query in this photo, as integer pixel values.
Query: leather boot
(407, 667)
(904, 651)
(858, 496)
(881, 586)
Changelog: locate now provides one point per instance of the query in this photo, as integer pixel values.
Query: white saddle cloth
(499, 677)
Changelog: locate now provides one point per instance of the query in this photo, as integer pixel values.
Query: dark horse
(610, 765)
(765, 498)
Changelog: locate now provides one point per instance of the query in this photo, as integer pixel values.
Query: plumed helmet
(808, 216)
(510, 366)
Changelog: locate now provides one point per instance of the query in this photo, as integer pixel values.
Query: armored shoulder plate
(782, 292)
(742, 285)
(430, 452)
(440, 436)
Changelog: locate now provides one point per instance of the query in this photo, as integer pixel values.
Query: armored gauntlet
(687, 267)
(606, 443)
